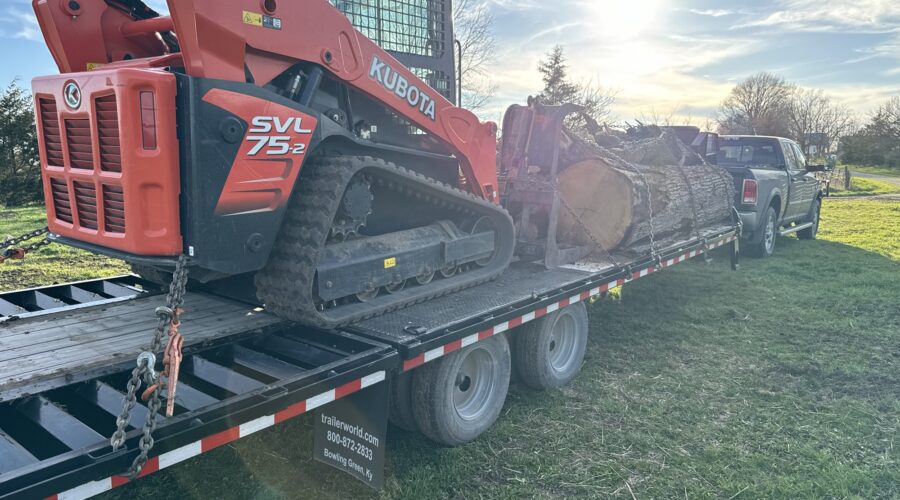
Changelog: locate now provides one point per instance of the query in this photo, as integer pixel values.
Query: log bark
(649, 190)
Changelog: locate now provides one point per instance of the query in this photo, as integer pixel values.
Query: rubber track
(286, 284)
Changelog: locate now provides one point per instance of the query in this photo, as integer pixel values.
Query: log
(652, 189)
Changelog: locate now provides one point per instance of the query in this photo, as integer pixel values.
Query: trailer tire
(458, 397)
(549, 352)
(401, 409)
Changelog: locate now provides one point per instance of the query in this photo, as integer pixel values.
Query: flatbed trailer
(65, 356)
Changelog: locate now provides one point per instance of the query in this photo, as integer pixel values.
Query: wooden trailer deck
(41, 353)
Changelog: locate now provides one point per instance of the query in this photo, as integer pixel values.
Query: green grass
(781, 380)
(53, 264)
(878, 170)
(865, 187)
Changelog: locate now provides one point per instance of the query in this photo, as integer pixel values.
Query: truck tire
(811, 232)
(548, 353)
(766, 246)
(400, 409)
(458, 397)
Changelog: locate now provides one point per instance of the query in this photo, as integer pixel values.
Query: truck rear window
(748, 152)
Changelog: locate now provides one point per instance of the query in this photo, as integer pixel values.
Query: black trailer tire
(766, 246)
(458, 397)
(810, 233)
(549, 352)
(401, 408)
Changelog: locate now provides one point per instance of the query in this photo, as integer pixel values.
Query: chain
(10, 252)
(146, 361)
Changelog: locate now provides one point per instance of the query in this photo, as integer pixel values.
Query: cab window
(790, 157)
(801, 159)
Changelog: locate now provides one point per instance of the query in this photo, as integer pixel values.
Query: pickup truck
(777, 192)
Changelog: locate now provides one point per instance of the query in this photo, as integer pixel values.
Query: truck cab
(777, 192)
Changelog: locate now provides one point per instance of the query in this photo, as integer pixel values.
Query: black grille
(61, 205)
(50, 128)
(409, 26)
(78, 140)
(108, 133)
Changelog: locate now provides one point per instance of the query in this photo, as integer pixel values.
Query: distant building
(816, 144)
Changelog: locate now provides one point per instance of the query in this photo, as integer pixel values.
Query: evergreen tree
(557, 87)
(20, 172)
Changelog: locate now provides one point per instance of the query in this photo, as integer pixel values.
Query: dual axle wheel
(456, 398)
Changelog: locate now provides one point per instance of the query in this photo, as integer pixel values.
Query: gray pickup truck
(777, 192)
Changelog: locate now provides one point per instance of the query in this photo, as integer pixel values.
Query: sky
(674, 59)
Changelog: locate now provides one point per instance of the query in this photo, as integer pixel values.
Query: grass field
(865, 187)
(781, 380)
(53, 264)
(892, 172)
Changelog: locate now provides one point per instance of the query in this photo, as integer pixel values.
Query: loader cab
(419, 34)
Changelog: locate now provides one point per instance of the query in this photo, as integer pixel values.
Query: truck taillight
(148, 120)
(751, 189)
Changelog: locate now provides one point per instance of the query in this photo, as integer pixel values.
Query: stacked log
(637, 191)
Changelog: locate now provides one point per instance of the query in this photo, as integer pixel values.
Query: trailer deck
(245, 370)
(57, 349)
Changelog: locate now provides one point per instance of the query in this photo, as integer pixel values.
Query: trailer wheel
(401, 410)
(549, 352)
(458, 397)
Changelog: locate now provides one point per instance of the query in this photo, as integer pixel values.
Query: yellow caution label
(93, 66)
(253, 18)
(389, 263)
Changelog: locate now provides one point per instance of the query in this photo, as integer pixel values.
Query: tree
(757, 105)
(878, 142)
(473, 24)
(817, 123)
(886, 119)
(597, 101)
(554, 72)
(20, 171)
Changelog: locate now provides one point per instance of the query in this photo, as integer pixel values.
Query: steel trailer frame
(348, 361)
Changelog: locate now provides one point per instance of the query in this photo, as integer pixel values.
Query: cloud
(653, 72)
(21, 24)
(716, 12)
(859, 16)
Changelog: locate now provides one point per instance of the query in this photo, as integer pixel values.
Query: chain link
(11, 252)
(145, 372)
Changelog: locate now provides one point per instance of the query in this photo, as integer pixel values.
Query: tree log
(650, 190)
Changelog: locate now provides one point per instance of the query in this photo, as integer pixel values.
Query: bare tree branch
(473, 24)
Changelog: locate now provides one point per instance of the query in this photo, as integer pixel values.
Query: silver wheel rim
(563, 343)
(484, 225)
(770, 234)
(449, 271)
(474, 384)
(367, 296)
(425, 278)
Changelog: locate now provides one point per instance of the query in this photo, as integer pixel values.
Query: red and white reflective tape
(446, 349)
(214, 441)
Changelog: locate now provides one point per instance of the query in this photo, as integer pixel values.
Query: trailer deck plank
(49, 351)
(522, 282)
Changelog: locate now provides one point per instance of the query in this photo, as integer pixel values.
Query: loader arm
(237, 40)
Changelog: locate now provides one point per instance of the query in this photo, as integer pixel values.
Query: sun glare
(625, 19)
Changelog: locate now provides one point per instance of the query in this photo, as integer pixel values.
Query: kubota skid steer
(270, 141)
